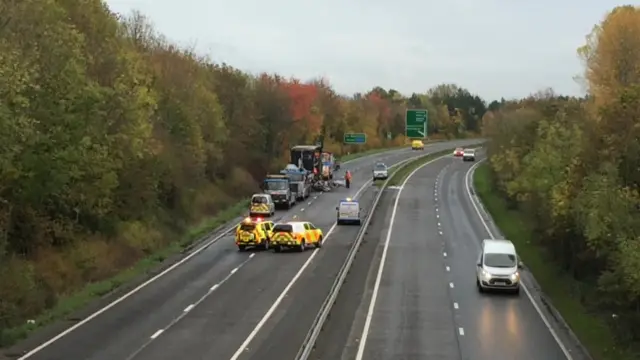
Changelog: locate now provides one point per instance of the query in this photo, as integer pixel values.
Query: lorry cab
(262, 204)
(348, 212)
(278, 187)
(298, 184)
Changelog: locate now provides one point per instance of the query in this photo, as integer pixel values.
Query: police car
(348, 212)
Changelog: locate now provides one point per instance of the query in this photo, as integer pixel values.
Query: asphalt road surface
(223, 304)
(426, 302)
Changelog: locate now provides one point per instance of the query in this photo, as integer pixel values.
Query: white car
(498, 266)
(380, 172)
(469, 155)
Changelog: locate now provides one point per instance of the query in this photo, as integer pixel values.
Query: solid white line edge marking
(376, 286)
(195, 252)
(526, 291)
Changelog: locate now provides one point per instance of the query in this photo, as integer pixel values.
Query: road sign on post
(416, 123)
(355, 138)
(389, 136)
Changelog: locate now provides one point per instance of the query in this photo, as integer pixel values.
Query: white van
(348, 212)
(498, 266)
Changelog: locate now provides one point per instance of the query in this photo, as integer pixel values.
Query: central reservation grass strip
(591, 330)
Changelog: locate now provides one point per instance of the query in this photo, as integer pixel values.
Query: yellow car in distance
(254, 232)
(298, 235)
(417, 145)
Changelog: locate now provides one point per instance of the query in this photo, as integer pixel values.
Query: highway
(422, 303)
(223, 304)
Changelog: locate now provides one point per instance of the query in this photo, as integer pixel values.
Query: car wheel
(302, 246)
(516, 291)
(278, 248)
(319, 243)
(242, 248)
(480, 289)
(265, 246)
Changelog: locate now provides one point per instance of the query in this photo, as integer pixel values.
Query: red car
(458, 152)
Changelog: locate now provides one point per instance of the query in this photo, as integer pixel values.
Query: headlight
(515, 276)
(485, 274)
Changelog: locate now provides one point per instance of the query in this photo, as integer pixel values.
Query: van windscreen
(500, 260)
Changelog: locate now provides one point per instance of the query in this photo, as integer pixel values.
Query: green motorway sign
(416, 123)
(355, 138)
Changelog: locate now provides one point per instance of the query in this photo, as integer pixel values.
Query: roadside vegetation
(120, 148)
(563, 181)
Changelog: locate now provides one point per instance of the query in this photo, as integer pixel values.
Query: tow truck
(321, 164)
(299, 181)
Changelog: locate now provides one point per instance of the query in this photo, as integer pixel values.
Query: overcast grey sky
(495, 48)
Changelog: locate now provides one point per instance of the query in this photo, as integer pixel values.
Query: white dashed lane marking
(188, 308)
(461, 331)
(451, 285)
(448, 268)
(156, 334)
(214, 287)
(455, 305)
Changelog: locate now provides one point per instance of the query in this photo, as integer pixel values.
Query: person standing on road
(347, 178)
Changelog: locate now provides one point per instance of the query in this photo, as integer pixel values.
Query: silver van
(498, 266)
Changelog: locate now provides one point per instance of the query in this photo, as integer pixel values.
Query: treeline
(573, 165)
(113, 142)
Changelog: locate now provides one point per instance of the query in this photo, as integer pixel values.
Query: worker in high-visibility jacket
(347, 178)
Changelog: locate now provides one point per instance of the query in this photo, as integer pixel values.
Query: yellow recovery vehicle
(254, 232)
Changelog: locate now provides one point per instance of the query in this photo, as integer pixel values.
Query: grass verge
(398, 175)
(592, 331)
(353, 156)
(66, 305)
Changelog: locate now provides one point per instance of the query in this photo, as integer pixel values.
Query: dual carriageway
(410, 292)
